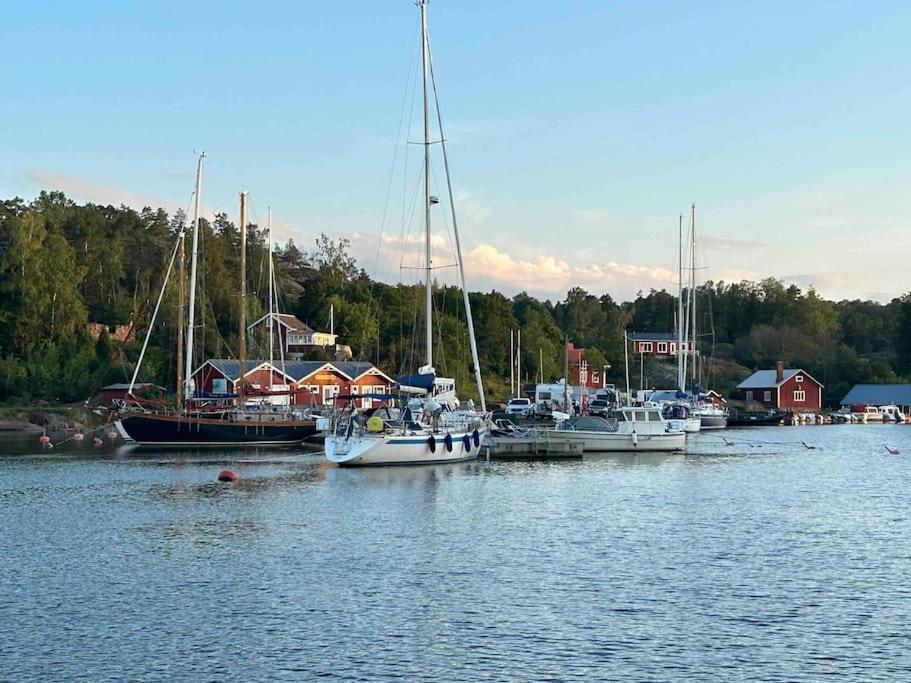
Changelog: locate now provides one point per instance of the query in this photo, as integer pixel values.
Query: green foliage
(63, 265)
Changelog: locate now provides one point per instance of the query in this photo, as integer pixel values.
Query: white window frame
(355, 389)
(767, 395)
(749, 395)
(662, 347)
(673, 347)
(800, 396)
(799, 379)
(313, 388)
(645, 347)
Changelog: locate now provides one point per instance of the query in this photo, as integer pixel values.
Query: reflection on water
(750, 556)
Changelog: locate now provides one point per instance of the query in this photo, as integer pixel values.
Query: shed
(879, 395)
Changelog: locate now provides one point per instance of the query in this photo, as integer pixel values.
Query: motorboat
(710, 416)
(679, 417)
(635, 429)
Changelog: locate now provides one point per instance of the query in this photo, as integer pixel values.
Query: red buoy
(44, 439)
(78, 436)
(227, 475)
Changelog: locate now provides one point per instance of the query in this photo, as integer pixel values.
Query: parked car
(599, 407)
(519, 406)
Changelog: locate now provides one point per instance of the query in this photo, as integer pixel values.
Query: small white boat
(637, 429)
(678, 416)
(711, 417)
(892, 413)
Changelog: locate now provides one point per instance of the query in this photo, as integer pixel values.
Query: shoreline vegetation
(78, 283)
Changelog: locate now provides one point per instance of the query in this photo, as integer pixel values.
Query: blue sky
(578, 130)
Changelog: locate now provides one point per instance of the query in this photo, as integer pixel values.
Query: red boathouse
(783, 388)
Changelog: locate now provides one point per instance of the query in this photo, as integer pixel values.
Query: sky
(577, 131)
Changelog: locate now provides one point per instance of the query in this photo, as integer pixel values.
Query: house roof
(294, 370)
(878, 395)
(292, 322)
(651, 336)
(765, 379)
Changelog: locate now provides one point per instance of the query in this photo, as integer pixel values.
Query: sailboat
(199, 420)
(691, 423)
(710, 416)
(428, 425)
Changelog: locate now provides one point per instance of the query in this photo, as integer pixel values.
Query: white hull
(604, 442)
(693, 425)
(401, 449)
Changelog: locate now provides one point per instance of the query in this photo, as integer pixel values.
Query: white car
(519, 406)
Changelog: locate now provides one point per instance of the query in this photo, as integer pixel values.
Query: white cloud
(489, 267)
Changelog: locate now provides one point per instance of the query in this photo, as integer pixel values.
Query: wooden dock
(536, 446)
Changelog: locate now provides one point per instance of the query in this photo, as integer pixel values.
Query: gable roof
(765, 379)
(292, 322)
(651, 336)
(878, 395)
(230, 367)
(294, 370)
(357, 369)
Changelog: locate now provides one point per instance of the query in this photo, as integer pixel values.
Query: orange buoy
(227, 475)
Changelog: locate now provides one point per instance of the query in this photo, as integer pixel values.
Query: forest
(65, 265)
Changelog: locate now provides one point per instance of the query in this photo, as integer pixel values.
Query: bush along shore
(78, 284)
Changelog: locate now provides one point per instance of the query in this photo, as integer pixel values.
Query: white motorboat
(711, 417)
(679, 417)
(637, 429)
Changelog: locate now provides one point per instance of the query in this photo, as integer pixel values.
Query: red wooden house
(783, 388)
(306, 383)
(657, 343)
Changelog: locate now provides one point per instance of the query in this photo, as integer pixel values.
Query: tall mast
(472, 341)
(242, 341)
(693, 286)
(188, 370)
(272, 306)
(681, 380)
(428, 301)
(519, 362)
(181, 306)
(512, 363)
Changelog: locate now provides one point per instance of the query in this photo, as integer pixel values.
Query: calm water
(769, 561)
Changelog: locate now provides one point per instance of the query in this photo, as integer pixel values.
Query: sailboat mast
(693, 286)
(242, 340)
(681, 380)
(181, 307)
(428, 301)
(272, 306)
(191, 318)
(472, 341)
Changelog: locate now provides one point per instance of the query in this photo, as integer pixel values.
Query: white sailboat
(691, 423)
(430, 427)
(710, 416)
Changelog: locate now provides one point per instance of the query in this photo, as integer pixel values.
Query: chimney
(779, 372)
